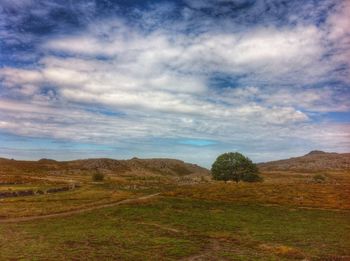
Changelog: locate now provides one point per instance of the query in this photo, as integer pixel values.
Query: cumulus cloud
(268, 54)
(120, 80)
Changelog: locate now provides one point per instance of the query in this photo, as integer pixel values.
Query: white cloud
(268, 53)
(318, 100)
(159, 81)
(339, 22)
(13, 76)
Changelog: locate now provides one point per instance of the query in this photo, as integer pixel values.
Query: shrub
(252, 177)
(318, 178)
(235, 166)
(98, 176)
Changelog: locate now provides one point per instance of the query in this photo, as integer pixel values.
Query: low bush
(318, 178)
(252, 177)
(98, 176)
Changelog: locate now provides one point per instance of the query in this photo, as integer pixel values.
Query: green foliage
(235, 166)
(98, 176)
(252, 177)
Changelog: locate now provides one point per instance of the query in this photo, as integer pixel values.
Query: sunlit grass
(173, 228)
(210, 220)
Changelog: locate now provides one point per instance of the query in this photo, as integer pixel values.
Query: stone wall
(32, 192)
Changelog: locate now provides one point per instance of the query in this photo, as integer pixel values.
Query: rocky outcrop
(313, 161)
(134, 166)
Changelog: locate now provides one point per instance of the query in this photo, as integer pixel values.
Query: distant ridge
(134, 166)
(316, 152)
(47, 160)
(315, 160)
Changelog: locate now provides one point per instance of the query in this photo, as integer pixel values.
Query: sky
(185, 79)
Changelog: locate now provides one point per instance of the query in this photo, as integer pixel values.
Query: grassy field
(287, 217)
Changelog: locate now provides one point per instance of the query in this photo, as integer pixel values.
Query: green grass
(212, 221)
(174, 228)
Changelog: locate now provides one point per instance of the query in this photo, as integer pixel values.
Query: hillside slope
(134, 166)
(313, 161)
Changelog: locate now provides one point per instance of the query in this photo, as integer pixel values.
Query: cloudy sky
(185, 79)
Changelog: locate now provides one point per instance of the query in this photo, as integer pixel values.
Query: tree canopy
(235, 166)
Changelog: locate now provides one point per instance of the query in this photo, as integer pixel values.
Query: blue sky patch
(195, 142)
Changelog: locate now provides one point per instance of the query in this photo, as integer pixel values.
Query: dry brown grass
(90, 193)
(55, 203)
(292, 189)
(282, 250)
(172, 228)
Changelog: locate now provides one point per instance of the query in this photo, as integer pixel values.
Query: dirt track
(77, 211)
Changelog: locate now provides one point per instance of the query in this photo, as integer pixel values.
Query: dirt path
(77, 211)
(60, 179)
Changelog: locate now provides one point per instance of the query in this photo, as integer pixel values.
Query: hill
(313, 161)
(134, 166)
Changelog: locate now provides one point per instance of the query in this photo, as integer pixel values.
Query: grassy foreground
(280, 219)
(172, 228)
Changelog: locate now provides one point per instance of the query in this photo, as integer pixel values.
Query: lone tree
(235, 166)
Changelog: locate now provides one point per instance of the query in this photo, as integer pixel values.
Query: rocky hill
(313, 161)
(134, 166)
